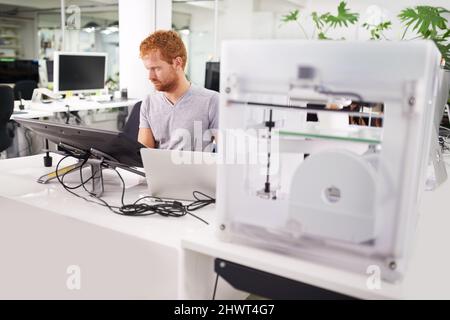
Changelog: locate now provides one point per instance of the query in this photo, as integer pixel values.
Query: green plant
(376, 30)
(324, 22)
(112, 83)
(428, 23)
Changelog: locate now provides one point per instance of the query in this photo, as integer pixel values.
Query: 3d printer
(341, 194)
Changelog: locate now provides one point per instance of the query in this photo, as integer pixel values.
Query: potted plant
(323, 22)
(376, 22)
(428, 22)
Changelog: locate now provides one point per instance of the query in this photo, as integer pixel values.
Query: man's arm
(145, 136)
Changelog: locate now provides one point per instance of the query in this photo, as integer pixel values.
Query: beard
(166, 86)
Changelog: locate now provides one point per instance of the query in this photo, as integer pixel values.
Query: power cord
(215, 287)
(161, 207)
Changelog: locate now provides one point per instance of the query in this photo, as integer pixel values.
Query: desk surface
(31, 114)
(427, 276)
(19, 175)
(120, 257)
(38, 110)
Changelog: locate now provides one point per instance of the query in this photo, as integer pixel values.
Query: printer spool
(332, 196)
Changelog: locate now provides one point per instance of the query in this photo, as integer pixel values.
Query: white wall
(137, 19)
(29, 36)
(201, 43)
(238, 19)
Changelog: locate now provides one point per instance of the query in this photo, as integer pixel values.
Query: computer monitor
(112, 143)
(13, 70)
(79, 72)
(212, 76)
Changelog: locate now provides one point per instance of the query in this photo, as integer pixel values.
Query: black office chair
(24, 89)
(131, 128)
(6, 110)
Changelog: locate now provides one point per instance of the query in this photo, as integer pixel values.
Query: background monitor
(79, 72)
(212, 76)
(49, 66)
(13, 70)
(46, 72)
(113, 143)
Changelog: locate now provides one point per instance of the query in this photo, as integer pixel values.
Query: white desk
(44, 230)
(79, 105)
(31, 114)
(426, 278)
(39, 110)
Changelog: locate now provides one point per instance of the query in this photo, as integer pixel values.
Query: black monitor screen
(212, 76)
(12, 70)
(81, 72)
(112, 143)
(49, 66)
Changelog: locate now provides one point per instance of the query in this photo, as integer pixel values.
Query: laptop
(176, 174)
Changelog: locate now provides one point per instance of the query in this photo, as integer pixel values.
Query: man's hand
(145, 137)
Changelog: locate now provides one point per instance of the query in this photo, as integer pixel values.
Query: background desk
(27, 144)
(31, 114)
(39, 110)
(44, 230)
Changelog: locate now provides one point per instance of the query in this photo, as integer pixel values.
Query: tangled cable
(139, 208)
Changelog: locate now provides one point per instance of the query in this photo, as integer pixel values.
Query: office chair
(131, 128)
(24, 89)
(6, 110)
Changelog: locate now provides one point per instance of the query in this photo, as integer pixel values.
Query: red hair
(168, 43)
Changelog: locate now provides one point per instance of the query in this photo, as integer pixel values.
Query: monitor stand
(97, 161)
(97, 188)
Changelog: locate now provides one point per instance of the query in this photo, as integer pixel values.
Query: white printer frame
(262, 82)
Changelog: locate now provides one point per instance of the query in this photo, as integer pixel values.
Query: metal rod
(311, 109)
(270, 125)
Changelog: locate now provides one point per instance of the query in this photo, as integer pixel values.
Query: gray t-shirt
(187, 125)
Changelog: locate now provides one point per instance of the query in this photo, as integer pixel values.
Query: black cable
(67, 114)
(200, 203)
(215, 287)
(61, 181)
(323, 90)
(164, 208)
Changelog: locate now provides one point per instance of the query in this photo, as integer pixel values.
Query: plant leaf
(291, 16)
(319, 21)
(376, 31)
(444, 47)
(425, 19)
(343, 17)
(322, 36)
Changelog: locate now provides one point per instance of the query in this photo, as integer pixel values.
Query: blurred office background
(32, 30)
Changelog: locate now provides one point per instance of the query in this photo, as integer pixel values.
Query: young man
(179, 115)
